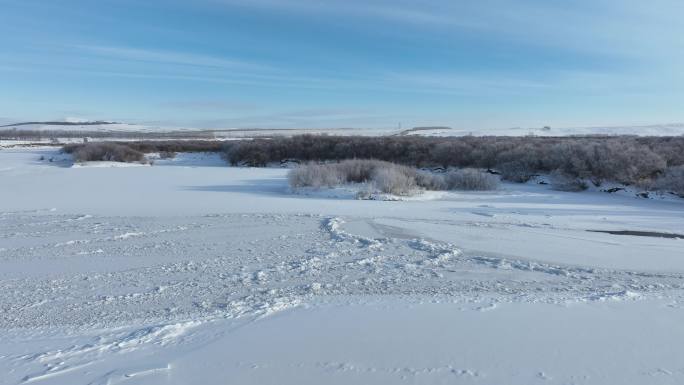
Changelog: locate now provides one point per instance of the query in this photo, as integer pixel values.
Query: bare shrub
(671, 181)
(573, 158)
(515, 171)
(104, 151)
(520, 162)
(563, 182)
(621, 160)
(149, 146)
(626, 162)
(159, 146)
(669, 148)
(470, 179)
(167, 155)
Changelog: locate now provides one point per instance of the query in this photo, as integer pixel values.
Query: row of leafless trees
(653, 162)
(629, 160)
(172, 146)
(134, 151)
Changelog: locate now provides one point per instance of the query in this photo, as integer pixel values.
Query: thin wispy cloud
(167, 57)
(599, 26)
(402, 82)
(217, 105)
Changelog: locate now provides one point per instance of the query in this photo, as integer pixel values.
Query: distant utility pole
(399, 126)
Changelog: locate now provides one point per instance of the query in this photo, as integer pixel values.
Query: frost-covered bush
(470, 179)
(315, 175)
(431, 181)
(383, 176)
(360, 170)
(365, 192)
(104, 151)
(392, 180)
(389, 178)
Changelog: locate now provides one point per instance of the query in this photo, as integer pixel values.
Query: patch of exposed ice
(96, 164)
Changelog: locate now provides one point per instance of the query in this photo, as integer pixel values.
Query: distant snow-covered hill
(651, 130)
(74, 125)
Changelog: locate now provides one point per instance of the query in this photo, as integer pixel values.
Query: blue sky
(373, 63)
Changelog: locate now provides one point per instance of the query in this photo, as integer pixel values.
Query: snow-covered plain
(117, 129)
(189, 271)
